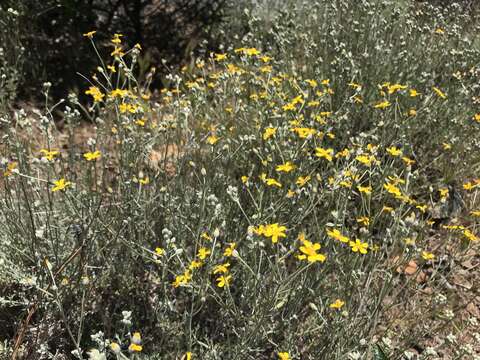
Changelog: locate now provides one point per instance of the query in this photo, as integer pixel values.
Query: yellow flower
(338, 304)
(422, 208)
(135, 348)
(89, 156)
(229, 250)
(234, 70)
(288, 107)
(453, 227)
(269, 132)
(302, 180)
(266, 69)
(439, 92)
(205, 236)
(395, 87)
(287, 167)
(446, 146)
(364, 220)
(394, 151)
(387, 209)
(469, 186)
(439, 31)
(90, 34)
(392, 189)
(359, 246)
(476, 117)
(251, 52)
(324, 153)
(309, 252)
(96, 93)
(382, 105)
(212, 140)
(344, 153)
(469, 235)
(365, 159)
(224, 280)
(60, 184)
(182, 279)
(274, 231)
(475, 213)
(124, 107)
(408, 161)
(427, 255)
(194, 264)
(247, 51)
(222, 268)
(259, 230)
(144, 181)
(302, 237)
(244, 179)
(283, 356)
(312, 83)
(136, 338)
(11, 166)
(337, 235)
(49, 155)
(364, 189)
(414, 93)
(118, 92)
(117, 51)
(115, 348)
(220, 57)
(303, 132)
(159, 251)
(203, 253)
(443, 193)
(111, 68)
(372, 148)
(273, 182)
(188, 356)
(116, 38)
(140, 122)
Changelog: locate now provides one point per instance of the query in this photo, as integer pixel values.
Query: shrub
(265, 204)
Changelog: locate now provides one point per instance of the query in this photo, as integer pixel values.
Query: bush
(274, 201)
(52, 30)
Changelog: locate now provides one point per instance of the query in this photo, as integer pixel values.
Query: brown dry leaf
(421, 277)
(461, 280)
(165, 158)
(468, 264)
(411, 268)
(473, 310)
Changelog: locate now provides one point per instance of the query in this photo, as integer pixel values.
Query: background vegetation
(302, 185)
